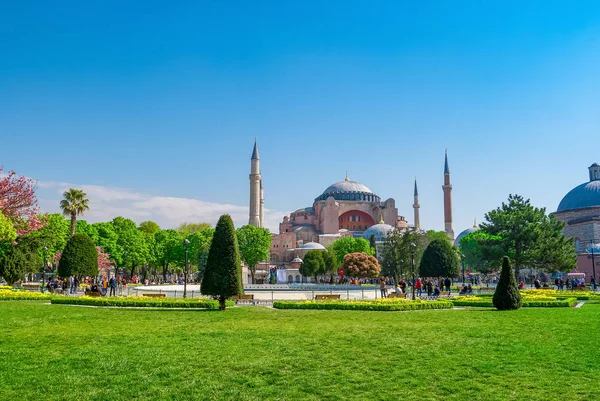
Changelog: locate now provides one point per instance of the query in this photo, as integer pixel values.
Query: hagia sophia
(346, 208)
(349, 208)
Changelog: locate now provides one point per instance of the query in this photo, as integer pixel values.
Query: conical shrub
(223, 275)
(507, 294)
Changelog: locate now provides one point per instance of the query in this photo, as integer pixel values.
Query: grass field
(252, 353)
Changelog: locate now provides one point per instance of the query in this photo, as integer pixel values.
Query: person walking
(419, 287)
(71, 284)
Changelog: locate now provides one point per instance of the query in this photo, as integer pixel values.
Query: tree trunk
(73, 222)
(165, 268)
(252, 272)
(222, 302)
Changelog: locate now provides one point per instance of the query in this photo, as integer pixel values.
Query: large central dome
(350, 191)
(347, 186)
(582, 196)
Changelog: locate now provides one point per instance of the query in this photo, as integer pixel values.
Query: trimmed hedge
(6, 287)
(487, 303)
(10, 295)
(363, 305)
(140, 302)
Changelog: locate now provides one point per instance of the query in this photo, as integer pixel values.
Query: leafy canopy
(346, 245)
(439, 259)
(529, 237)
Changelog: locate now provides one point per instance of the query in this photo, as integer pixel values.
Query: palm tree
(75, 203)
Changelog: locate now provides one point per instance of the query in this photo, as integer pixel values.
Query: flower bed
(529, 301)
(5, 287)
(134, 301)
(385, 304)
(579, 294)
(10, 295)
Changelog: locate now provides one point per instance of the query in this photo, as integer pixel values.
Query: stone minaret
(255, 180)
(416, 206)
(447, 188)
(262, 204)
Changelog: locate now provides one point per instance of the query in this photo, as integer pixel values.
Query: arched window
(297, 278)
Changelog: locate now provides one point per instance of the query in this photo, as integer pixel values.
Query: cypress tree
(79, 258)
(223, 275)
(372, 242)
(507, 296)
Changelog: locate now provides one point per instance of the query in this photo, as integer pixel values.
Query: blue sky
(152, 107)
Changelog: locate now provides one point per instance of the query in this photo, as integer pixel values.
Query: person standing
(419, 287)
(382, 287)
(113, 286)
(71, 284)
(448, 283)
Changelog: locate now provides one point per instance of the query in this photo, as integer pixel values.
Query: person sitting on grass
(463, 290)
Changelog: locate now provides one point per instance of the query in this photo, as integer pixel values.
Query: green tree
(53, 234)
(12, 265)
(80, 257)
(313, 264)
(167, 250)
(396, 252)
(439, 259)
(223, 275)
(107, 238)
(198, 250)
(346, 245)
(149, 227)
(83, 227)
(432, 235)
(7, 229)
(74, 204)
(373, 243)
(529, 237)
(254, 246)
(190, 228)
(131, 244)
(507, 296)
(481, 251)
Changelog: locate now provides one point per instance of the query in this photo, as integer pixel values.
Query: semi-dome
(313, 245)
(582, 196)
(296, 260)
(380, 231)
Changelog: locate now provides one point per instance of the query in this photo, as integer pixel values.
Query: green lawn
(250, 353)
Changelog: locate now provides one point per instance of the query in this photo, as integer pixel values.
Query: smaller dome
(462, 234)
(313, 245)
(296, 260)
(380, 231)
(595, 165)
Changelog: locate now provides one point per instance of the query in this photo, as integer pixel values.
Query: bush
(10, 295)
(507, 296)
(80, 257)
(383, 305)
(6, 287)
(534, 301)
(141, 302)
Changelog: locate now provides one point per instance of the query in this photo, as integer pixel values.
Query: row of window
(347, 227)
(350, 218)
(284, 246)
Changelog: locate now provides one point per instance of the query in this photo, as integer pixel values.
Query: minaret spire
(262, 204)
(416, 207)
(447, 188)
(255, 191)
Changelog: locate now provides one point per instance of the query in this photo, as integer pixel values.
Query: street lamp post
(186, 242)
(412, 263)
(44, 269)
(462, 260)
(593, 265)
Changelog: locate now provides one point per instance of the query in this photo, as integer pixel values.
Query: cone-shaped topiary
(223, 275)
(507, 294)
(79, 258)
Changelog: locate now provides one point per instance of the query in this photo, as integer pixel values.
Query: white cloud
(107, 203)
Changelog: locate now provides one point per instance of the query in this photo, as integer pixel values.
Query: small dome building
(580, 211)
(464, 233)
